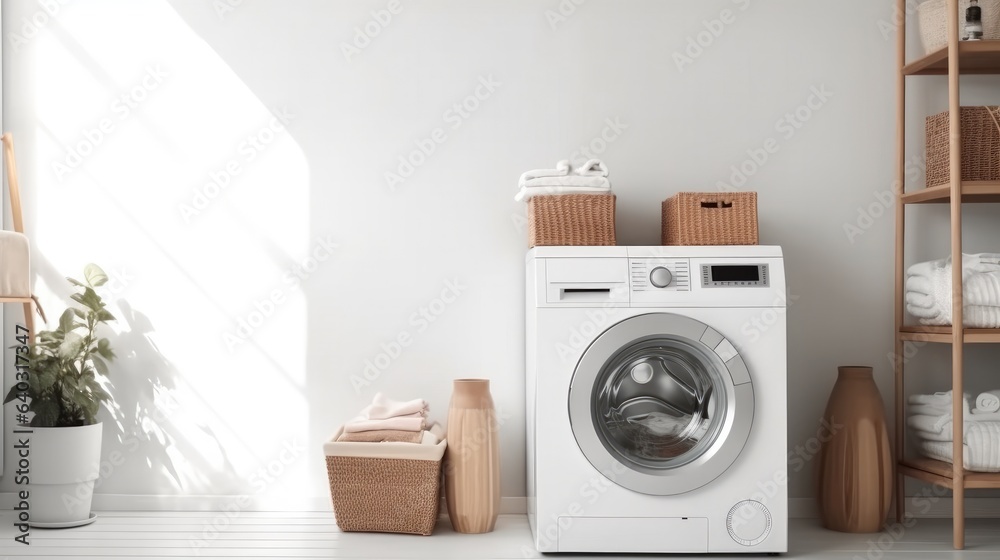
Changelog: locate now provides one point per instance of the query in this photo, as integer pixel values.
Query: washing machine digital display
(734, 276)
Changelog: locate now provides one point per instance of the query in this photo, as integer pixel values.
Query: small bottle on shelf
(973, 22)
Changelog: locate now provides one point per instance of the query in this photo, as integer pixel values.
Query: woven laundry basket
(980, 145)
(571, 219)
(932, 22)
(726, 218)
(385, 487)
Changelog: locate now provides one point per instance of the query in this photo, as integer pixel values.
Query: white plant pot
(64, 464)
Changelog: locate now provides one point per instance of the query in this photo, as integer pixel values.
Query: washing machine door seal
(661, 404)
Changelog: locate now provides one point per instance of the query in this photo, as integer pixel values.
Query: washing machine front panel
(661, 404)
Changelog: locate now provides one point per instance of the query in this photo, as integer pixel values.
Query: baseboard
(798, 508)
(130, 502)
(916, 506)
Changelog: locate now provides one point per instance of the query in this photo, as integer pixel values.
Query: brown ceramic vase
(854, 464)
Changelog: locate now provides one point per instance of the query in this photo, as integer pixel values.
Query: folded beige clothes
(360, 424)
(378, 436)
(430, 448)
(383, 407)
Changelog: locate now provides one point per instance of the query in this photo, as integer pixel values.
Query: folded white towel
(980, 451)
(941, 398)
(571, 181)
(932, 409)
(982, 289)
(526, 193)
(928, 436)
(971, 264)
(980, 317)
(941, 426)
(362, 424)
(988, 402)
(383, 407)
(921, 302)
(592, 167)
(929, 290)
(562, 169)
(973, 316)
(932, 427)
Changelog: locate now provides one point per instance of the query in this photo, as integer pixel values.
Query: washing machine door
(661, 404)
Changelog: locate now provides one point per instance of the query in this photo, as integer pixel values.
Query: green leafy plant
(63, 385)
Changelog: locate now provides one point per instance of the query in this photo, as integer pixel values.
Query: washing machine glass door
(661, 404)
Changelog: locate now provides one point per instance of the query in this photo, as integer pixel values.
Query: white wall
(202, 416)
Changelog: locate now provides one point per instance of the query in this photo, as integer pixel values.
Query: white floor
(314, 535)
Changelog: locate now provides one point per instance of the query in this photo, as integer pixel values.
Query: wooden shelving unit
(953, 60)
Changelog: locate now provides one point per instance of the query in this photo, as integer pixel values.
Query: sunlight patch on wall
(155, 160)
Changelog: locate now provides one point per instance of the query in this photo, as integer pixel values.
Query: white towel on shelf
(928, 436)
(600, 186)
(928, 289)
(973, 316)
(980, 451)
(982, 289)
(589, 178)
(933, 428)
(940, 427)
(932, 410)
(941, 398)
(988, 402)
(571, 181)
(592, 167)
(981, 316)
(562, 169)
(383, 407)
(939, 271)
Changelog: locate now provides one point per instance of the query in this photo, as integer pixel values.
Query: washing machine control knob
(661, 277)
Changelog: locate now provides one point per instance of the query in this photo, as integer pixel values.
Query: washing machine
(656, 399)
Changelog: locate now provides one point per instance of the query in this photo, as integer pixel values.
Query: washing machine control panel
(652, 275)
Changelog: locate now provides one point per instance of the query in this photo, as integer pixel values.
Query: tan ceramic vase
(854, 466)
(472, 459)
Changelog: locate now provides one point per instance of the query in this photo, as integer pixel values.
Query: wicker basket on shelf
(980, 145)
(932, 18)
(728, 218)
(571, 219)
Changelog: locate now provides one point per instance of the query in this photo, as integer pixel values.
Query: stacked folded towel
(388, 420)
(589, 178)
(930, 416)
(929, 291)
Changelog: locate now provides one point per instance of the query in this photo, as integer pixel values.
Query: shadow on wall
(148, 433)
(148, 427)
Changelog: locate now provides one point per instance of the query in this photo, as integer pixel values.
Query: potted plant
(62, 442)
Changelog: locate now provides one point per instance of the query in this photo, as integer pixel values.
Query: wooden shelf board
(972, 191)
(975, 57)
(15, 299)
(939, 472)
(943, 335)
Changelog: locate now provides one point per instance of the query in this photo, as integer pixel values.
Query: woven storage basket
(980, 146)
(932, 18)
(571, 219)
(385, 494)
(728, 218)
